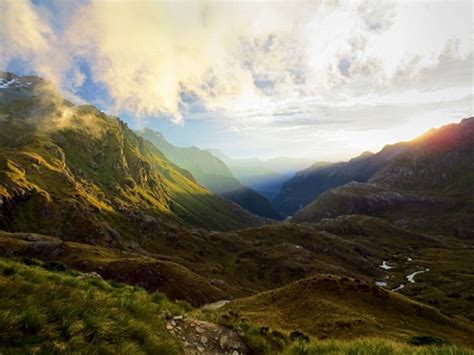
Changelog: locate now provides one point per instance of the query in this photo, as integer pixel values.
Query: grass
(343, 308)
(263, 340)
(44, 311)
(370, 346)
(47, 308)
(63, 177)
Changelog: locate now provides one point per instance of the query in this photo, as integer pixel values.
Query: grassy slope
(225, 265)
(152, 273)
(212, 173)
(229, 265)
(75, 172)
(345, 308)
(47, 309)
(44, 311)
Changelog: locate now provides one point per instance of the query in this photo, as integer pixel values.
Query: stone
(200, 349)
(223, 341)
(178, 318)
(169, 327)
(90, 275)
(203, 339)
(200, 330)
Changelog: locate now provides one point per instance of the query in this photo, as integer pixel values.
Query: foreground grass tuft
(370, 347)
(52, 311)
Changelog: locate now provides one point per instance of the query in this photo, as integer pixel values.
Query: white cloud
(342, 66)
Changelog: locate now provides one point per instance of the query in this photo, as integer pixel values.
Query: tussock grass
(370, 347)
(48, 311)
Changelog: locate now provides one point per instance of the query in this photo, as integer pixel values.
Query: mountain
(265, 176)
(75, 172)
(91, 211)
(308, 184)
(213, 173)
(428, 186)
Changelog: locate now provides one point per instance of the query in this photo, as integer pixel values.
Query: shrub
(184, 305)
(298, 336)
(9, 271)
(54, 266)
(157, 298)
(419, 340)
(31, 262)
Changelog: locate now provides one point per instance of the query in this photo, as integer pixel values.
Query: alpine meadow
(237, 177)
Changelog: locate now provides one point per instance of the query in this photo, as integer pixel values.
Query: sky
(324, 80)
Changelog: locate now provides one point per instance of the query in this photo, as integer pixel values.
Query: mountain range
(71, 170)
(309, 183)
(117, 241)
(265, 176)
(212, 173)
(427, 183)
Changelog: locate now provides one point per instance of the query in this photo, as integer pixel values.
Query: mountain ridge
(213, 173)
(75, 163)
(432, 177)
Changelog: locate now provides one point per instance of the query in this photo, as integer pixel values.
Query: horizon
(323, 82)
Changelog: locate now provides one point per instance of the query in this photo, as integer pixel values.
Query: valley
(378, 249)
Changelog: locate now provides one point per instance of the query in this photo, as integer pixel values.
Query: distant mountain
(308, 184)
(75, 172)
(213, 173)
(265, 176)
(428, 184)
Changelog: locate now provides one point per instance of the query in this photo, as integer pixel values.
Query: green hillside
(75, 172)
(346, 308)
(213, 173)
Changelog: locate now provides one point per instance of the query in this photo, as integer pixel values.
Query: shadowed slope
(428, 187)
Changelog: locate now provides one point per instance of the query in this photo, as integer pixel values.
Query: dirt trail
(199, 337)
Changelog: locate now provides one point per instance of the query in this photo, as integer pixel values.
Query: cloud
(23, 33)
(264, 64)
(148, 55)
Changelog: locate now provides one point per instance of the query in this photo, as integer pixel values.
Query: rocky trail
(200, 337)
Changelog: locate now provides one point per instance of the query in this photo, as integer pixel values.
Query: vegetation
(372, 347)
(80, 191)
(44, 311)
(345, 308)
(79, 174)
(427, 186)
(267, 340)
(213, 173)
